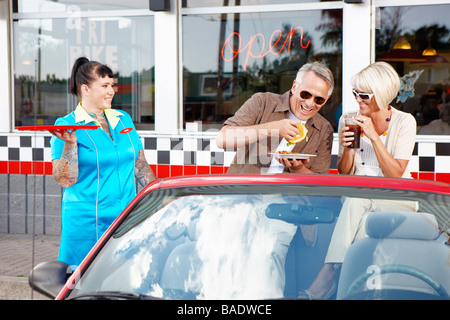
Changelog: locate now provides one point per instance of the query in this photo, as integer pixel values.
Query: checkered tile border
(185, 151)
(183, 155)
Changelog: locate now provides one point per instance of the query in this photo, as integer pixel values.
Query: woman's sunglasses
(306, 95)
(363, 96)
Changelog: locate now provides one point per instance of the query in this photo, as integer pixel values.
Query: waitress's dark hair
(84, 72)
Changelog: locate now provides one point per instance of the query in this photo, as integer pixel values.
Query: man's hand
(287, 128)
(295, 165)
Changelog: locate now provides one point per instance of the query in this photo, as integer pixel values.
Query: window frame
(63, 15)
(244, 9)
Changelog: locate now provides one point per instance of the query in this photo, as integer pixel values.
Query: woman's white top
(366, 163)
(399, 141)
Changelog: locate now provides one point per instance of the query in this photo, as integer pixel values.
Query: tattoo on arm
(65, 169)
(143, 171)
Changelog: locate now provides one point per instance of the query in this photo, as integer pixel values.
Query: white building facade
(184, 66)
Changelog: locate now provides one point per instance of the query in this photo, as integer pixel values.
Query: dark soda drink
(357, 135)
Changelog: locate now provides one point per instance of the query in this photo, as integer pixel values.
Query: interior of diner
(419, 52)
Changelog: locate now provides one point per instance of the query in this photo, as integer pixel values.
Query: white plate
(293, 156)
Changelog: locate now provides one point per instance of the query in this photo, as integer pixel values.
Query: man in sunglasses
(267, 121)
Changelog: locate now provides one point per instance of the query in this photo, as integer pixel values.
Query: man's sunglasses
(363, 96)
(306, 95)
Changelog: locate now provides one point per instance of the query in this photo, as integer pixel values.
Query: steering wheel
(398, 268)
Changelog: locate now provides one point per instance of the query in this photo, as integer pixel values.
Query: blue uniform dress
(106, 180)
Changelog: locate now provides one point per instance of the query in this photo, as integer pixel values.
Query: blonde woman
(385, 150)
(389, 134)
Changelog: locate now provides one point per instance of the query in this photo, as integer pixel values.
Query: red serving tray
(57, 128)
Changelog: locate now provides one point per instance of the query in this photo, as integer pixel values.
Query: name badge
(126, 130)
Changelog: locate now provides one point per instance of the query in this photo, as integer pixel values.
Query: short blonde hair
(379, 78)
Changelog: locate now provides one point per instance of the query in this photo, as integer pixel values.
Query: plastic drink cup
(353, 127)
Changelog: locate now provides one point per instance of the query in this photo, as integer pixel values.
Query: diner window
(45, 50)
(219, 3)
(415, 40)
(229, 57)
(34, 6)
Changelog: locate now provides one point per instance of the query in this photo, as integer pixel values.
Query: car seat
(177, 272)
(180, 264)
(405, 256)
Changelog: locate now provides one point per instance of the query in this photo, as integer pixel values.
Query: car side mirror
(49, 277)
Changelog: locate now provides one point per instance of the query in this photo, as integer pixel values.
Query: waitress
(97, 168)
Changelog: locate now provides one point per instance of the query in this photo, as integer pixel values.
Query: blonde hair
(379, 78)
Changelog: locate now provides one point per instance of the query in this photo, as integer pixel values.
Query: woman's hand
(65, 169)
(142, 170)
(346, 137)
(367, 127)
(64, 135)
(345, 162)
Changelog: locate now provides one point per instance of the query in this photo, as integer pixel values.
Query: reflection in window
(44, 52)
(426, 30)
(232, 3)
(229, 57)
(23, 6)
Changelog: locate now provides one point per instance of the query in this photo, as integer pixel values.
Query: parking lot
(17, 259)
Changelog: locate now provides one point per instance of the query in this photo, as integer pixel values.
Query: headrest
(402, 225)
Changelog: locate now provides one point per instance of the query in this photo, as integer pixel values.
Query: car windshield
(231, 242)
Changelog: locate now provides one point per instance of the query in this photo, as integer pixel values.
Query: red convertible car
(263, 237)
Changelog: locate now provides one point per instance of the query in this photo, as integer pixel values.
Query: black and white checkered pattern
(202, 151)
(431, 157)
(25, 148)
(185, 151)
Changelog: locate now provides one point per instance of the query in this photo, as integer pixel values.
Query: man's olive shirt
(266, 107)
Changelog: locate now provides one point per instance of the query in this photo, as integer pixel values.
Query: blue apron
(105, 184)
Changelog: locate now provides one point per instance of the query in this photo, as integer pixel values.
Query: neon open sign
(275, 40)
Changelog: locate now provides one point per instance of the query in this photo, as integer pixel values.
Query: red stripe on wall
(427, 176)
(443, 177)
(26, 167)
